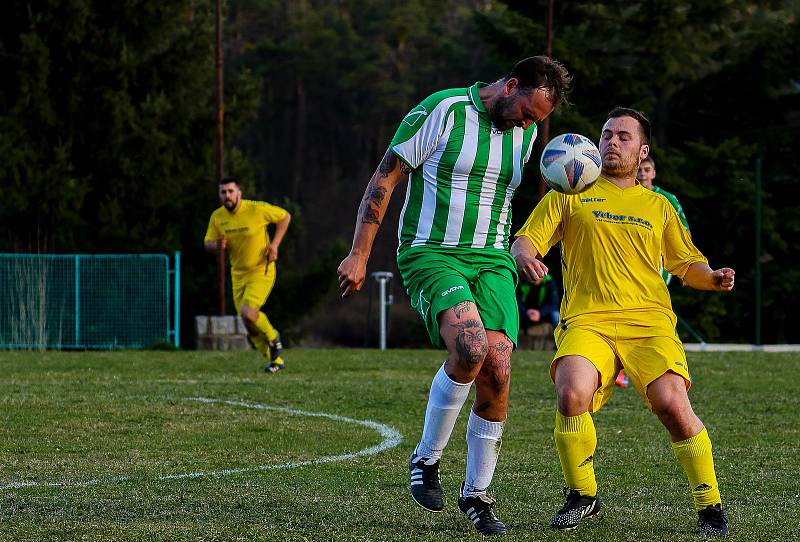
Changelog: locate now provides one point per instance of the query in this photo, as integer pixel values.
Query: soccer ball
(570, 163)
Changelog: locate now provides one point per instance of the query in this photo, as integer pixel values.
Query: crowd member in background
(240, 227)
(539, 302)
(462, 151)
(617, 310)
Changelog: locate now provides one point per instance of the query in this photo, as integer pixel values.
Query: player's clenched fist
(723, 279)
(351, 273)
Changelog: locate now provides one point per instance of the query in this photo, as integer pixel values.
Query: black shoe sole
(413, 498)
(570, 529)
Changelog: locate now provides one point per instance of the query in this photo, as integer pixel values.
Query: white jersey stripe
(458, 190)
(488, 189)
(403, 211)
(429, 169)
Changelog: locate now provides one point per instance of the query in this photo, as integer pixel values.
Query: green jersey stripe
(464, 172)
(496, 164)
(475, 182)
(464, 162)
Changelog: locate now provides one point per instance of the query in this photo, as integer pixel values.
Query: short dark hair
(649, 158)
(228, 180)
(545, 73)
(644, 124)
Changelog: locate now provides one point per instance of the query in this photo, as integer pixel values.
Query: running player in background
(240, 226)
(462, 151)
(616, 310)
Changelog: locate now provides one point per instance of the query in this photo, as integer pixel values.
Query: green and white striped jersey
(464, 173)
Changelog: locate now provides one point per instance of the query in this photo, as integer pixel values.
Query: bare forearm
(374, 203)
(699, 276)
(523, 246)
(280, 230)
(371, 212)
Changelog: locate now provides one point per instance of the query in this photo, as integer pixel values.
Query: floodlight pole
(546, 122)
(220, 146)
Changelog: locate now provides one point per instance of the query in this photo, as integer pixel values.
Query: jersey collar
(475, 97)
(631, 190)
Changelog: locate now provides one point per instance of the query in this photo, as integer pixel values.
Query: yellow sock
(265, 327)
(694, 455)
(576, 440)
(260, 342)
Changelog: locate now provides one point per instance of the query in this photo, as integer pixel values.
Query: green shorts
(439, 278)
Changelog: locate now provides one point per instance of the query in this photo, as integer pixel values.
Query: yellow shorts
(646, 352)
(253, 288)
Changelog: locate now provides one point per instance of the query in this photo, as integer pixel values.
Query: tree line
(107, 128)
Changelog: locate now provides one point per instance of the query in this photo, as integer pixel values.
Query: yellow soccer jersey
(246, 232)
(612, 241)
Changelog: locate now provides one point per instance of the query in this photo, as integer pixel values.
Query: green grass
(69, 418)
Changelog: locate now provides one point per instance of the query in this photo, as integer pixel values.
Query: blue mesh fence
(88, 301)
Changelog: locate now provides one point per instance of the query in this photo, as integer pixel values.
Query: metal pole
(546, 122)
(77, 301)
(758, 253)
(382, 316)
(220, 146)
(176, 313)
(220, 95)
(221, 277)
(383, 304)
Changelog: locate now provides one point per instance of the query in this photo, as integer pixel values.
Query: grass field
(116, 446)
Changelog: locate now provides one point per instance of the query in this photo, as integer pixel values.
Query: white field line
(391, 439)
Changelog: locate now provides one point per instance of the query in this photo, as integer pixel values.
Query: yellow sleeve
(544, 226)
(271, 213)
(678, 250)
(213, 232)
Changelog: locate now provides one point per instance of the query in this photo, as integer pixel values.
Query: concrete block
(205, 342)
(238, 342)
(240, 327)
(222, 325)
(201, 325)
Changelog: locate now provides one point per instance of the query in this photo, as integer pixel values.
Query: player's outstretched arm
(702, 277)
(277, 239)
(529, 266)
(391, 172)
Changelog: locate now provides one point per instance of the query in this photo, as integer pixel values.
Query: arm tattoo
(388, 164)
(372, 204)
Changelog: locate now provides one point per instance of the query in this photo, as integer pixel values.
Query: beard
(499, 113)
(230, 204)
(622, 167)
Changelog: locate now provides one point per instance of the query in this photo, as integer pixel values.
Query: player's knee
(573, 400)
(249, 315)
(474, 352)
(668, 409)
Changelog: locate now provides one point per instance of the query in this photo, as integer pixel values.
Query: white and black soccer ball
(570, 163)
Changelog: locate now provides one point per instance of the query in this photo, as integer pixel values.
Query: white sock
(444, 404)
(483, 447)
